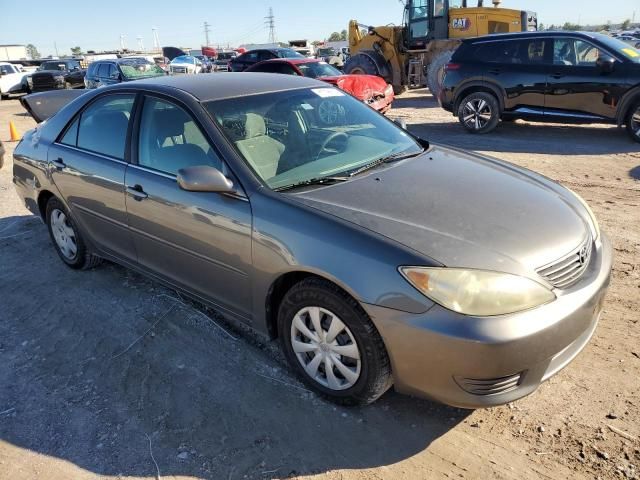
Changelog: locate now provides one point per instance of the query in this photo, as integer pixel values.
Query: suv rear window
(528, 51)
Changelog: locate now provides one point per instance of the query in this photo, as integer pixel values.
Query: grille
(43, 81)
(489, 386)
(179, 69)
(565, 272)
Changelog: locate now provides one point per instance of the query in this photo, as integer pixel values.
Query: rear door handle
(59, 163)
(557, 76)
(137, 192)
(495, 71)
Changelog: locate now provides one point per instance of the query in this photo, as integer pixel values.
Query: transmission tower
(156, 40)
(207, 30)
(270, 22)
(140, 44)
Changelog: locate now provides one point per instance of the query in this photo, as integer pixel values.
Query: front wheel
(67, 239)
(332, 344)
(479, 112)
(633, 122)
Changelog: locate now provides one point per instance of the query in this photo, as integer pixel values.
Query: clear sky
(98, 25)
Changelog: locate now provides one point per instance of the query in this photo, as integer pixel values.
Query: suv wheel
(633, 122)
(479, 112)
(332, 344)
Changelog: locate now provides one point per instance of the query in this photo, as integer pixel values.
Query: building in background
(13, 52)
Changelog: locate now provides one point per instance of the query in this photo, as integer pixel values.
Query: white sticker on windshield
(306, 106)
(327, 92)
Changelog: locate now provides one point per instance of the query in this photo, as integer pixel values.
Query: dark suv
(568, 77)
(244, 61)
(55, 74)
(108, 72)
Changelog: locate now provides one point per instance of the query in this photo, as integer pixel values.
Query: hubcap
(326, 348)
(63, 234)
(635, 122)
(476, 113)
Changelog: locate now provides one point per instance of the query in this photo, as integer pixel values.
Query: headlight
(595, 228)
(388, 91)
(30, 81)
(477, 292)
(58, 79)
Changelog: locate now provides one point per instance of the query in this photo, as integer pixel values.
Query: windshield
(318, 69)
(297, 135)
(620, 47)
(225, 55)
(326, 52)
(183, 59)
(288, 53)
(133, 69)
(55, 66)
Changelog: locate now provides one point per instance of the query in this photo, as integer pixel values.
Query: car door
(578, 86)
(520, 68)
(76, 74)
(197, 240)
(88, 164)
(103, 75)
(10, 78)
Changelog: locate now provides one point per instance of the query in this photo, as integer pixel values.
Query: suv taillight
(452, 66)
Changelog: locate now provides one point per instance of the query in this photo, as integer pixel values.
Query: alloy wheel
(326, 348)
(477, 113)
(63, 234)
(635, 122)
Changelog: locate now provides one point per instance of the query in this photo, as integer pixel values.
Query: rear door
(577, 86)
(520, 68)
(88, 163)
(197, 240)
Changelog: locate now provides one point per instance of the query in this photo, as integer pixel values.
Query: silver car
(376, 258)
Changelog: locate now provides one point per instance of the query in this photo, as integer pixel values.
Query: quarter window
(171, 140)
(103, 125)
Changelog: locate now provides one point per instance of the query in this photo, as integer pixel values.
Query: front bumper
(486, 361)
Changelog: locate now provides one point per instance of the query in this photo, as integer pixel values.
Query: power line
(207, 30)
(270, 22)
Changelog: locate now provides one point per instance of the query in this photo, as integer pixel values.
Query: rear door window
(103, 71)
(103, 126)
(516, 52)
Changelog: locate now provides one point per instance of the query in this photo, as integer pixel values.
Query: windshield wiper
(387, 159)
(312, 181)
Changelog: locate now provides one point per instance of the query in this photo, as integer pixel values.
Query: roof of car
(293, 60)
(546, 33)
(209, 87)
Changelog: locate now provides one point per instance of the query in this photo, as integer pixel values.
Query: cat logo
(461, 23)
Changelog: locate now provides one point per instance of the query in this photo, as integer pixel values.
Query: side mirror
(401, 122)
(203, 178)
(606, 63)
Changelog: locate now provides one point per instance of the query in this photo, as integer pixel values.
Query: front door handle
(495, 71)
(137, 192)
(557, 76)
(58, 163)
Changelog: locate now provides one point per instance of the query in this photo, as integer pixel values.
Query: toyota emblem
(582, 255)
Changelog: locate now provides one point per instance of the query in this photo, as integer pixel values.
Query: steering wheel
(344, 138)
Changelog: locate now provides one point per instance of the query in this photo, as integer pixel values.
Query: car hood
(461, 210)
(362, 87)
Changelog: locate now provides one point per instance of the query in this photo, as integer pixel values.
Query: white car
(185, 64)
(12, 79)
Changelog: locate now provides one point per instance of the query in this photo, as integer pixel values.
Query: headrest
(254, 125)
(169, 122)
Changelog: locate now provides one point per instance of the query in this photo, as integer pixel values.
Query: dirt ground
(105, 374)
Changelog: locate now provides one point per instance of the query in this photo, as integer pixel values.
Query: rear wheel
(435, 72)
(633, 122)
(479, 112)
(361, 65)
(67, 238)
(332, 344)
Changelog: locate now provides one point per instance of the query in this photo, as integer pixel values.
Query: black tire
(83, 259)
(633, 126)
(399, 89)
(361, 65)
(435, 71)
(375, 368)
(487, 113)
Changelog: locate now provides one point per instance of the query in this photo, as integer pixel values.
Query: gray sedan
(376, 258)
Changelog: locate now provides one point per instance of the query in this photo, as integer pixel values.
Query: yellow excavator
(416, 53)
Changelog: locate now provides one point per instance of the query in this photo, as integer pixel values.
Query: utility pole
(270, 22)
(122, 42)
(55, 46)
(207, 30)
(140, 44)
(156, 40)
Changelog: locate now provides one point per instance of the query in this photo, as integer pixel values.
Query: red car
(372, 90)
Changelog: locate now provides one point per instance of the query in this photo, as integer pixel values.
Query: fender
(626, 101)
(496, 89)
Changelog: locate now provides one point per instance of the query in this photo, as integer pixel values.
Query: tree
(626, 24)
(343, 35)
(571, 26)
(541, 26)
(32, 51)
(75, 51)
(334, 37)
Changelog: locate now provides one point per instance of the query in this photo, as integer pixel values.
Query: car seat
(261, 151)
